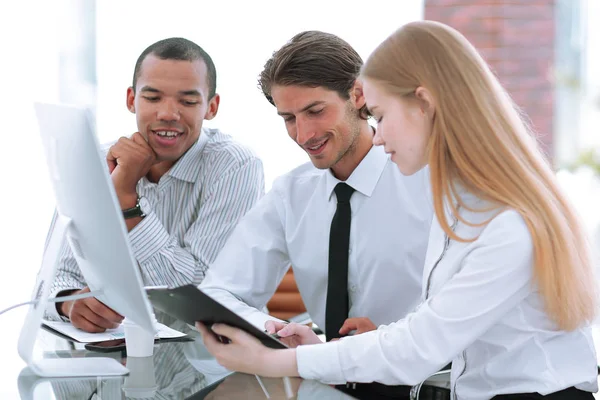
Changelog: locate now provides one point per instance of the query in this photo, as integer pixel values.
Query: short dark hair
(179, 49)
(313, 59)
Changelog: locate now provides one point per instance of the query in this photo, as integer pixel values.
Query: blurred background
(84, 51)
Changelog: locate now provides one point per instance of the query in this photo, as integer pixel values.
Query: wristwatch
(139, 210)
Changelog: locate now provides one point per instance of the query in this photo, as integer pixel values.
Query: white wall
(30, 45)
(240, 36)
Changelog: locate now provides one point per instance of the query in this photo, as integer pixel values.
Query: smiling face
(321, 122)
(170, 102)
(403, 126)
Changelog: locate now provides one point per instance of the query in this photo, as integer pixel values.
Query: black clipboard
(190, 304)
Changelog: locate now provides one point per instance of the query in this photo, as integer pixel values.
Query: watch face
(145, 205)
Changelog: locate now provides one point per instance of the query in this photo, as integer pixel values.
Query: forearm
(281, 363)
(127, 201)
(172, 268)
(388, 355)
(161, 259)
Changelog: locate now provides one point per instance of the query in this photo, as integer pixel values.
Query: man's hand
(90, 315)
(128, 161)
(360, 325)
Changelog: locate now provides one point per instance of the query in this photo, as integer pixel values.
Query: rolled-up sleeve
(163, 261)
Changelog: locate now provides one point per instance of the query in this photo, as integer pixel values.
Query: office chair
(286, 303)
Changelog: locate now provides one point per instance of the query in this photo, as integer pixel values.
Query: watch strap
(135, 211)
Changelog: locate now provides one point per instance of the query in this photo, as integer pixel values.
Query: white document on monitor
(67, 329)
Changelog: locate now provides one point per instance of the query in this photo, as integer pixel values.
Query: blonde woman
(508, 289)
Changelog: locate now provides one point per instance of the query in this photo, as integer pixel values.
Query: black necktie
(337, 282)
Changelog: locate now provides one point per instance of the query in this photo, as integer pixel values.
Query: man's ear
(213, 107)
(356, 94)
(131, 99)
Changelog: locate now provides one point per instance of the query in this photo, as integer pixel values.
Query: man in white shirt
(182, 188)
(312, 82)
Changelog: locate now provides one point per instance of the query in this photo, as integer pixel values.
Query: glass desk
(176, 371)
(182, 370)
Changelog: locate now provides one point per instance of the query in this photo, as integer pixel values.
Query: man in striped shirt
(182, 188)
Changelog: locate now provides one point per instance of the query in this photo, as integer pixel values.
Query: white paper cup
(138, 342)
(141, 382)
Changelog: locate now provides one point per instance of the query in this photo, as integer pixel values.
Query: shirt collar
(188, 166)
(365, 176)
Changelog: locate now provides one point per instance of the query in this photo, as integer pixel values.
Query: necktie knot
(343, 192)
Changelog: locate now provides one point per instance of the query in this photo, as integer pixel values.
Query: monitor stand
(66, 367)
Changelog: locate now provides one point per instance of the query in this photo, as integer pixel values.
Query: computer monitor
(89, 218)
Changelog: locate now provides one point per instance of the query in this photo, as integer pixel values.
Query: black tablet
(190, 304)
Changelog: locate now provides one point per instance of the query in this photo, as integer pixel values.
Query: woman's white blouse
(481, 310)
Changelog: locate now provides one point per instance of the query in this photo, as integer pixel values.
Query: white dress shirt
(391, 216)
(481, 310)
(193, 209)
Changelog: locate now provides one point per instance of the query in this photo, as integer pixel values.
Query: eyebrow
(311, 105)
(192, 92)
(149, 89)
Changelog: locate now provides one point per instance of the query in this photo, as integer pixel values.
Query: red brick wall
(516, 37)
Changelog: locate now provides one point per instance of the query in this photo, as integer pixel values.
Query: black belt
(378, 391)
(375, 390)
(571, 393)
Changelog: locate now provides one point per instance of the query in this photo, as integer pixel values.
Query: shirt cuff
(51, 312)
(320, 362)
(148, 237)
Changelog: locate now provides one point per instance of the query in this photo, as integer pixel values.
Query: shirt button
(353, 288)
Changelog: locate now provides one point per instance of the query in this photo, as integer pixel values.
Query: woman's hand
(245, 353)
(272, 327)
(293, 335)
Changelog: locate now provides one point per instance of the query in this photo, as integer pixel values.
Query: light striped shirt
(194, 208)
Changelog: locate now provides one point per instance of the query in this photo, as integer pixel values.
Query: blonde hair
(480, 140)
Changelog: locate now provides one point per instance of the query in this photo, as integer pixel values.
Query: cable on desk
(59, 299)
(17, 305)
